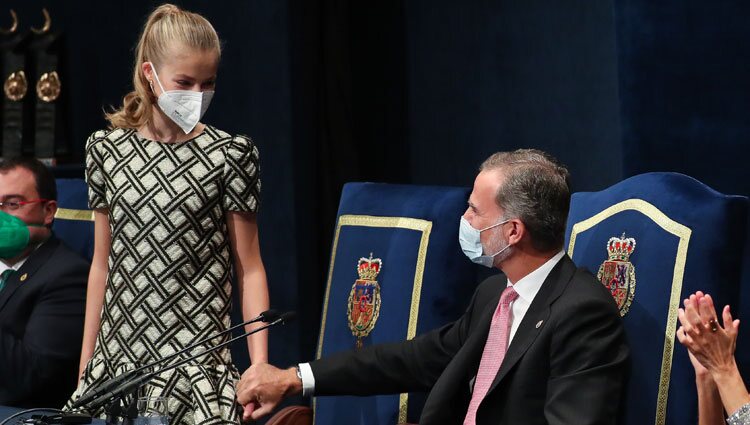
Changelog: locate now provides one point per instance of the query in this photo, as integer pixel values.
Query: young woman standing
(175, 205)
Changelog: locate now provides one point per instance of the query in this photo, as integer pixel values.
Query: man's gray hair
(537, 191)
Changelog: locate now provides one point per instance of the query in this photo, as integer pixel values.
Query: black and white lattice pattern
(169, 265)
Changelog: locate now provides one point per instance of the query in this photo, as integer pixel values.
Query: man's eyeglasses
(12, 206)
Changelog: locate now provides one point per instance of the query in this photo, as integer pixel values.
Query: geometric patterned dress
(169, 280)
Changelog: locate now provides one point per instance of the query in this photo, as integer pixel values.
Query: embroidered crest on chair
(617, 273)
(364, 299)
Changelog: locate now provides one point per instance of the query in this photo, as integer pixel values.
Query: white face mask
(471, 243)
(184, 107)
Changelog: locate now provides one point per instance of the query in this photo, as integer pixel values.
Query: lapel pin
(23, 277)
(539, 324)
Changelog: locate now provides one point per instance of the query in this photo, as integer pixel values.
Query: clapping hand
(711, 344)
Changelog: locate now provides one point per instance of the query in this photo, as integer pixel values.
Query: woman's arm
(713, 346)
(718, 350)
(731, 387)
(251, 277)
(710, 409)
(96, 285)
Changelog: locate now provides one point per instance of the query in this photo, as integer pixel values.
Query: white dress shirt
(4, 266)
(526, 288)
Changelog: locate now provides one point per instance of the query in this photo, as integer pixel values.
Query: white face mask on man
(184, 107)
(471, 243)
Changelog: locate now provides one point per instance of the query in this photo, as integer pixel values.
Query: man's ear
(517, 231)
(50, 209)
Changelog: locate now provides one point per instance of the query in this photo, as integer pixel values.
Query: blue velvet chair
(423, 281)
(653, 239)
(74, 221)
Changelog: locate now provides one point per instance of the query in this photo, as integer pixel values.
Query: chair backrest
(74, 221)
(423, 281)
(652, 240)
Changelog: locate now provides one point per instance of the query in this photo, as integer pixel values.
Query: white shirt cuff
(308, 380)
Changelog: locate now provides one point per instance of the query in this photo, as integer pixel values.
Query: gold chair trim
(423, 226)
(71, 214)
(683, 233)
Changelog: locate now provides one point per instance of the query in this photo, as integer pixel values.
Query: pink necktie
(494, 352)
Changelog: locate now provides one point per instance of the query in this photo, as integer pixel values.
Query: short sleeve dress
(169, 280)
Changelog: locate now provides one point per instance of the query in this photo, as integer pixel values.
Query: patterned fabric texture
(494, 352)
(169, 280)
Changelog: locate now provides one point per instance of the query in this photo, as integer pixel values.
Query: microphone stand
(59, 417)
(93, 393)
(114, 399)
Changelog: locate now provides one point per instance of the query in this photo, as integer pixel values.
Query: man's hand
(263, 386)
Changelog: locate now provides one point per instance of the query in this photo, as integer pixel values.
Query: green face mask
(14, 235)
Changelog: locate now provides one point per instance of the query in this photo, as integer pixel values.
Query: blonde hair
(167, 26)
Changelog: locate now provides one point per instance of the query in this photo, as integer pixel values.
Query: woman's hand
(710, 343)
(701, 373)
(711, 348)
(700, 370)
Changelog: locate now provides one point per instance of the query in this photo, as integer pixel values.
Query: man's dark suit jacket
(42, 309)
(565, 365)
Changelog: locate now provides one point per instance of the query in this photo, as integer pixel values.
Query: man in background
(42, 295)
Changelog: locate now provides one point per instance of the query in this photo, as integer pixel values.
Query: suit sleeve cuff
(308, 380)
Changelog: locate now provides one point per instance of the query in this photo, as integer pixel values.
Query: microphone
(285, 317)
(267, 316)
(133, 383)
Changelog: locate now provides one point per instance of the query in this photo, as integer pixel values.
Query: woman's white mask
(184, 107)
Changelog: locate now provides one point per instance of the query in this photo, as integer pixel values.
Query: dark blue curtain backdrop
(490, 76)
(421, 91)
(684, 89)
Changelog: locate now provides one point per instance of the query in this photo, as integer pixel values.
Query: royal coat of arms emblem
(364, 299)
(617, 274)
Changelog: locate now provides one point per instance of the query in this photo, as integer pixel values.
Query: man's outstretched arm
(381, 369)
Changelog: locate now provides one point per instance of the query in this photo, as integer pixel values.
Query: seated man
(42, 295)
(541, 344)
